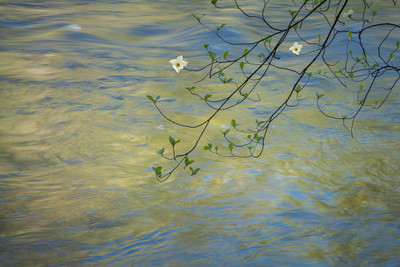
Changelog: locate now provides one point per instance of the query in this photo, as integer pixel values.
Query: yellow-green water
(78, 138)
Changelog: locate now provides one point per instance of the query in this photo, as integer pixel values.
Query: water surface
(78, 138)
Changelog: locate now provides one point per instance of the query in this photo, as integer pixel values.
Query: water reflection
(78, 138)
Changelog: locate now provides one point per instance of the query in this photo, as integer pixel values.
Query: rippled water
(78, 139)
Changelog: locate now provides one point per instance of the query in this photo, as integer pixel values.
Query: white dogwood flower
(296, 48)
(178, 63)
(348, 13)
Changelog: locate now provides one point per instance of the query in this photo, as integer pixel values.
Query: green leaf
(225, 80)
(298, 88)
(349, 34)
(207, 97)
(196, 17)
(397, 44)
(267, 39)
(157, 171)
(211, 55)
(161, 151)
(373, 13)
(216, 148)
(233, 123)
(295, 27)
(188, 162)
(220, 27)
(241, 65)
(173, 141)
(391, 56)
(259, 122)
(194, 172)
(292, 13)
(226, 54)
(226, 132)
(319, 96)
(245, 52)
(338, 71)
(230, 146)
(205, 46)
(190, 88)
(151, 98)
(220, 72)
(214, 2)
(208, 147)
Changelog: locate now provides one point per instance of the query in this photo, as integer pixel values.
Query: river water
(78, 138)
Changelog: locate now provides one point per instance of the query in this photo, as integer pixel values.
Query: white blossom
(178, 63)
(348, 13)
(296, 48)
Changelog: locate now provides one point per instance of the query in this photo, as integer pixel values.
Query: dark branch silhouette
(260, 57)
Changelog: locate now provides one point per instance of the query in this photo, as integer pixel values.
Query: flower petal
(175, 68)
